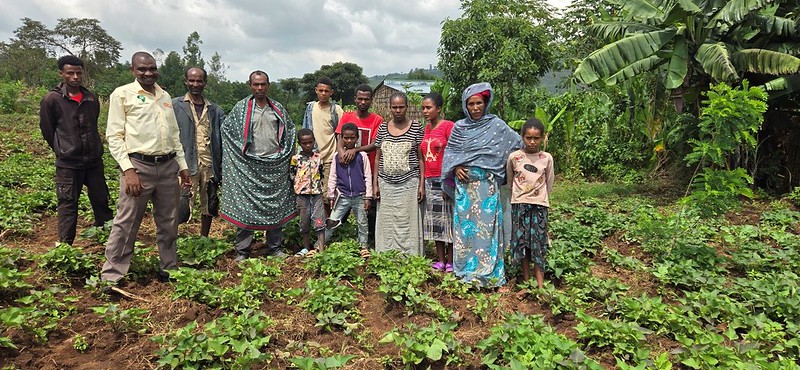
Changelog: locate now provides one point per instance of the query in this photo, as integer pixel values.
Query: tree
(420, 74)
(170, 74)
(504, 42)
(695, 42)
(31, 65)
(192, 56)
(216, 69)
(576, 42)
(346, 77)
(83, 37)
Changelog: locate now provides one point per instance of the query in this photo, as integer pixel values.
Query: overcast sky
(286, 38)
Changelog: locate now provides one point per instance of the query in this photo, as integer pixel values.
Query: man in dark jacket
(199, 121)
(68, 120)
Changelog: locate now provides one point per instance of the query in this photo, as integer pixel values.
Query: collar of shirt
(159, 91)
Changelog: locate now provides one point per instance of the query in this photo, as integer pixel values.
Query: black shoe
(163, 277)
(332, 224)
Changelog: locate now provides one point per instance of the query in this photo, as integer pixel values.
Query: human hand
(330, 202)
(461, 173)
(186, 179)
(367, 204)
(133, 185)
(421, 193)
(348, 155)
(376, 190)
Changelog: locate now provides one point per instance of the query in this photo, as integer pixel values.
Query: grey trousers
(160, 184)
(244, 238)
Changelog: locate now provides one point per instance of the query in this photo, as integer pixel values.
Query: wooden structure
(385, 89)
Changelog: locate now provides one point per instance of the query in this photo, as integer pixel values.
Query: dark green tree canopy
(505, 43)
(82, 37)
(345, 75)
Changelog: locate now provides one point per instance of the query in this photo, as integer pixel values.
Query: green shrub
(131, 320)
(68, 261)
(200, 251)
(232, 341)
(429, 344)
(526, 342)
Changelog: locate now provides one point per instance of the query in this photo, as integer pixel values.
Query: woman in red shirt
(438, 218)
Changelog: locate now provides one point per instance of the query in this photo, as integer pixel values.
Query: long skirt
(398, 224)
(438, 220)
(530, 232)
(478, 244)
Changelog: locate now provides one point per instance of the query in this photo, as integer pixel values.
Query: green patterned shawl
(256, 191)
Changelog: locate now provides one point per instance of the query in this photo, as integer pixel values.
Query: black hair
(69, 59)
(350, 126)
(532, 123)
(257, 73)
(364, 88)
(325, 81)
(141, 54)
(304, 132)
(436, 98)
(398, 95)
(186, 74)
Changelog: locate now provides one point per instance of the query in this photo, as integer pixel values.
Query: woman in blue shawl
(473, 169)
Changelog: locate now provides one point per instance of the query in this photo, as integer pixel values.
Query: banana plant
(693, 43)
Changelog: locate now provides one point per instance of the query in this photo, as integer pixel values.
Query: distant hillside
(375, 80)
(550, 81)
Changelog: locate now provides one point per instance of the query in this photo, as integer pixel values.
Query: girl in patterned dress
(530, 172)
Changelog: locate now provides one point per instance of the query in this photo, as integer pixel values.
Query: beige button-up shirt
(202, 131)
(140, 122)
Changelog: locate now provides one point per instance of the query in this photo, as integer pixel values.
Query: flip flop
(437, 266)
(311, 253)
(364, 252)
(301, 253)
(448, 267)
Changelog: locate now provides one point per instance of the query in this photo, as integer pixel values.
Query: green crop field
(636, 280)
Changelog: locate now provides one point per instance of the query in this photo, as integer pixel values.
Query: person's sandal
(364, 252)
(438, 266)
(301, 253)
(311, 253)
(448, 267)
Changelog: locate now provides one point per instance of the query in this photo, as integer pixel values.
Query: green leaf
(766, 62)
(435, 350)
(782, 86)
(735, 10)
(614, 57)
(678, 64)
(716, 61)
(615, 30)
(643, 10)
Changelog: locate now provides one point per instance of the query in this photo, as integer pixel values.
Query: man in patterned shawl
(257, 144)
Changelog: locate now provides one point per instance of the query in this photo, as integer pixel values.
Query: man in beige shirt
(143, 138)
(322, 117)
(199, 121)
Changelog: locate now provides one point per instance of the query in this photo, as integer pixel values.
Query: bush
(15, 97)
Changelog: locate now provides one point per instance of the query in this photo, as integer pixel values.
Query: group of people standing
(404, 181)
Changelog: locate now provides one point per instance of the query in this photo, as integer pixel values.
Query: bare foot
(522, 294)
(504, 290)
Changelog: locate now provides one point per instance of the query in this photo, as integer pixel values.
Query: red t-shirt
(367, 130)
(433, 144)
(77, 97)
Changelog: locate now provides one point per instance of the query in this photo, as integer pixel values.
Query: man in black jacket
(68, 120)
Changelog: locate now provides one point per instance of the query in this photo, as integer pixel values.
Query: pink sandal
(438, 266)
(448, 267)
